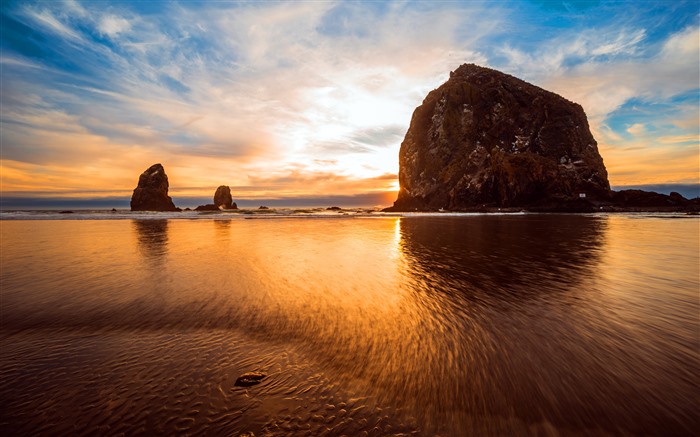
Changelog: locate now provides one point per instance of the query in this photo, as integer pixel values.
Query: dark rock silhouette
(151, 193)
(222, 200)
(222, 197)
(485, 138)
(207, 207)
(639, 198)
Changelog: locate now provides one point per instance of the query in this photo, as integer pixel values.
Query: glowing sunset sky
(309, 99)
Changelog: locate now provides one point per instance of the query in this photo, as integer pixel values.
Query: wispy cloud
(626, 42)
(47, 20)
(694, 139)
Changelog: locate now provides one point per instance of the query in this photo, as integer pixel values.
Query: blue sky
(304, 99)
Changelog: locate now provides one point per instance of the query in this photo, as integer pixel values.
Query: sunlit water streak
(481, 325)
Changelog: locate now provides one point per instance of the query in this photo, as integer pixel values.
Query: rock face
(222, 197)
(485, 138)
(151, 193)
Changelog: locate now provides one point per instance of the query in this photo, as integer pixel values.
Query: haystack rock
(151, 194)
(485, 138)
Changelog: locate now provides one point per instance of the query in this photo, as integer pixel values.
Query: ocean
(363, 323)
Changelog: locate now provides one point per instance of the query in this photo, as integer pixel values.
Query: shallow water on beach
(429, 325)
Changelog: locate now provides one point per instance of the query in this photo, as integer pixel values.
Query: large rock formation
(485, 138)
(151, 193)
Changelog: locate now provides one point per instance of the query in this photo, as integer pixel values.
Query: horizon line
(373, 199)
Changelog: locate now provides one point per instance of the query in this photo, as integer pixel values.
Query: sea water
(363, 324)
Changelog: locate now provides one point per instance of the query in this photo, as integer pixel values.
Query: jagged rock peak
(151, 193)
(485, 138)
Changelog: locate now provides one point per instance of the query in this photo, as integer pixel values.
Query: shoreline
(693, 210)
(321, 214)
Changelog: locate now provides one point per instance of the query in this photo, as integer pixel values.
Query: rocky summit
(151, 193)
(488, 139)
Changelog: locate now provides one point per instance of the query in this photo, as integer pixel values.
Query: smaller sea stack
(222, 200)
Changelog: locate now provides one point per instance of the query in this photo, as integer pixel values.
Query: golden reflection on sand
(283, 269)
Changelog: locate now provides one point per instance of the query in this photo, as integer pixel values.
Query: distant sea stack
(151, 193)
(222, 200)
(487, 139)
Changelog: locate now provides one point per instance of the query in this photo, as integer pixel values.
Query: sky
(309, 101)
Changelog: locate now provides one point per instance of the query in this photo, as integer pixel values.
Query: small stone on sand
(249, 378)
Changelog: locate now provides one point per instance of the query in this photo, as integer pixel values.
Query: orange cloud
(644, 163)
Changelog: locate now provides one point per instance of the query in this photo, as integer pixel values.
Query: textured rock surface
(151, 193)
(222, 197)
(485, 138)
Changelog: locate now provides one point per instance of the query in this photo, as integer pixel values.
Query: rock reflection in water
(152, 236)
(517, 334)
(503, 255)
